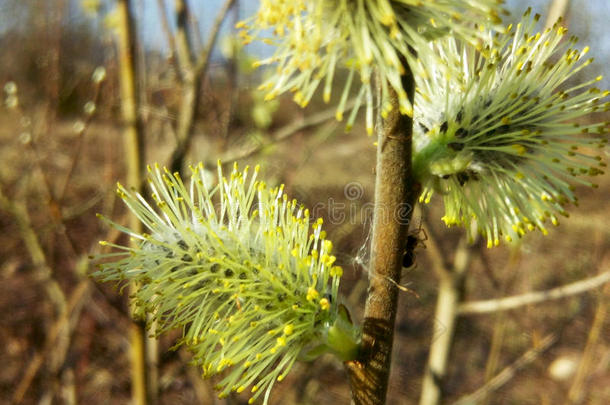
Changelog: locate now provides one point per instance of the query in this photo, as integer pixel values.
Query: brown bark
(395, 194)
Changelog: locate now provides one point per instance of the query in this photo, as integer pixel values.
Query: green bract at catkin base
(498, 139)
(315, 37)
(236, 266)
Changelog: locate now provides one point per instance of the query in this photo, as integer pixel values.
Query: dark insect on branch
(416, 238)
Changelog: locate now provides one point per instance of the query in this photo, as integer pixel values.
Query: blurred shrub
(51, 54)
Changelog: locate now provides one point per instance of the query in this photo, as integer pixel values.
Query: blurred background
(66, 65)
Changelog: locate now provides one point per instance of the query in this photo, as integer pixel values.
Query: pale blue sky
(588, 19)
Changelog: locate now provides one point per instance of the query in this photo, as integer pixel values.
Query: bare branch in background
(192, 72)
(287, 131)
(171, 41)
(22, 218)
(56, 295)
(575, 395)
(509, 372)
(233, 75)
(144, 388)
(557, 10)
(440, 263)
(73, 307)
(79, 145)
(504, 304)
(450, 292)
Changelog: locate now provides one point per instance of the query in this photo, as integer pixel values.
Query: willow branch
(171, 40)
(182, 39)
(440, 264)
(509, 372)
(204, 58)
(143, 388)
(503, 304)
(557, 10)
(395, 194)
(32, 244)
(77, 297)
(77, 153)
(192, 72)
(575, 394)
(132, 124)
(233, 89)
(449, 296)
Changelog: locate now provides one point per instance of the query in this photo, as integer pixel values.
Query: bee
(415, 238)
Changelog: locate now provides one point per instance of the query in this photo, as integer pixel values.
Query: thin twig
(493, 358)
(68, 391)
(34, 248)
(450, 294)
(52, 287)
(192, 72)
(54, 204)
(440, 263)
(233, 76)
(76, 297)
(576, 390)
(500, 321)
(509, 372)
(184, 45)
(171, 41)
(503, 304)
(287, 131)
(557, 10)
(76, 154)
(143, 388)
(204, 58)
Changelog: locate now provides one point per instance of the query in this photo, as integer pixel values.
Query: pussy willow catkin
(238, 267)
(499, 137)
